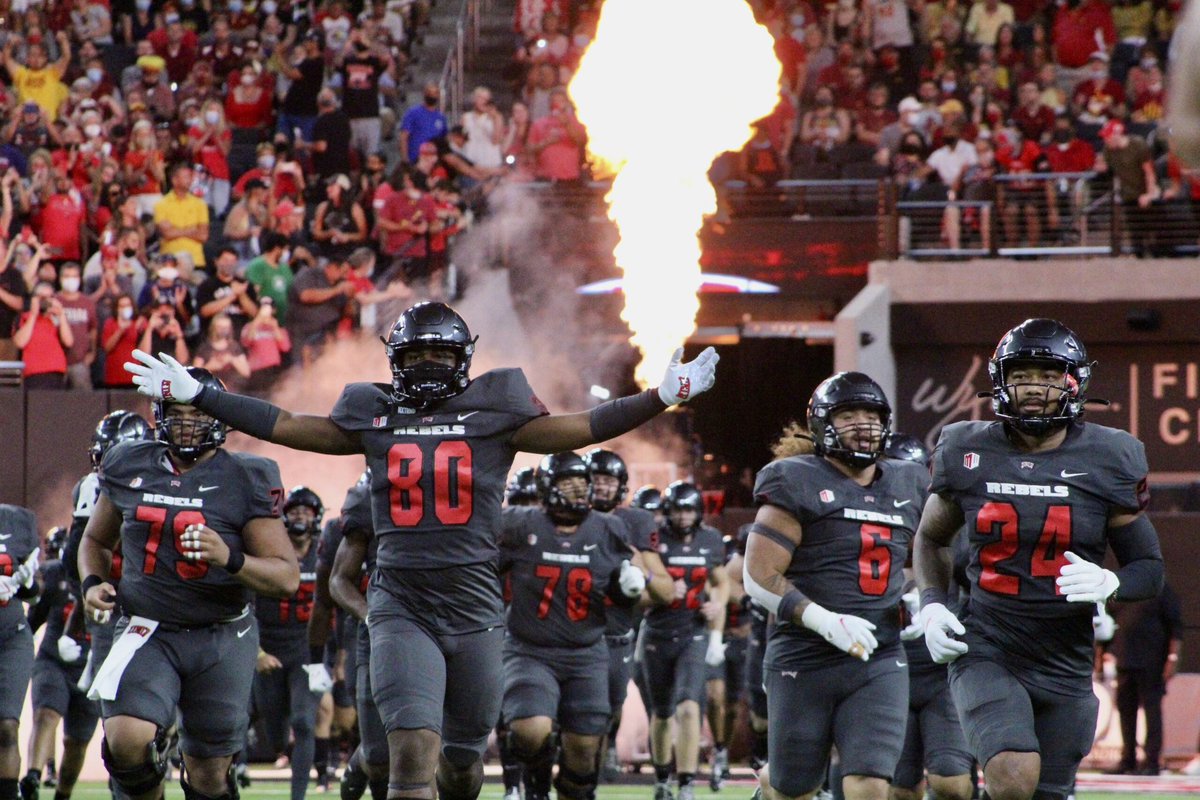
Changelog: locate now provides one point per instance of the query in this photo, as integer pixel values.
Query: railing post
(1115, 228)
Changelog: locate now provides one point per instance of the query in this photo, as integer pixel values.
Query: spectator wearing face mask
(330, 146)
(306, 71)
(44, 334)
(208, 142)
(247, 220)
(267, 345)
(270, 274)
(119, 338)
(362, 69)
(227, 293)
(422, 123)
(80, 311)
(222, 354)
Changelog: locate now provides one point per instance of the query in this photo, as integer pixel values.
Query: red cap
(109, 251)
(1114, 127)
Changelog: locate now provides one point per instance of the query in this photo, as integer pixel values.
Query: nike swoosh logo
(243, 633)
(589, 547)
(703, 551)
(5, 537)
(901, 503)
(626, 659)
(208, 488)
(1065, 474)
(901, 663)
(461, 417)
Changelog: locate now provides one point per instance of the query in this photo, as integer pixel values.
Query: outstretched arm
(940, 520)
(553, 434)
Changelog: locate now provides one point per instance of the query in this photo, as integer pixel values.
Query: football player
(200, 532)
(826, 555)
(609, 479)
(353, 565)
(723, 683)
(683, 637)
(521, 489)
(18, 581)
(285, 689)
(933, 741)
(1044, 495)
(564, 562)
(439, 445)
(56, 694)
(649, 498)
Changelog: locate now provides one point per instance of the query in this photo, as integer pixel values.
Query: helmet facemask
(188, 432)
(1037, 407)
(567, 499)
(857, 443)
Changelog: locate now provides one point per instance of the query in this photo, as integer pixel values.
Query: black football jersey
(438, 476)
(55, 604)
(1023, 512)
(283, 623)
(83, 501)
(157, 504)
(853, 547)
(692, 561)
(18, 538)
(643, 535)
(559, 582)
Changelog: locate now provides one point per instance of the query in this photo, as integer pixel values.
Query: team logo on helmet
(826, 496)
(971, 460)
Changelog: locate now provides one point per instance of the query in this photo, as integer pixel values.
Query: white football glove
(714, 656)
(846, 632)
(631, 579)
(1104, 627)
(319, 679)
(27, 572)
(1084, 582)
(162, 378)
(8, 587)
(684, 381)
(69, 650)
(940, 626)
(913, 631)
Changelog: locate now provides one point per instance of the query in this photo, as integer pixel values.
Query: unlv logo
(971, 460)
(165, 390)
(685, 387)
(140, 630)
(826, 496)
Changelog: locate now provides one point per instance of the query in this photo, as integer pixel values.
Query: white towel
(108, 677)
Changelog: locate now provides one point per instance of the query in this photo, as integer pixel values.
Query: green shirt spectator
(270, 274)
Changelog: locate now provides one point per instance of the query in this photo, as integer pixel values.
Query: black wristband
(615, 417)
(247, 414)
(787, 606)
(316, 655)
(933, 595)
(237, 560)
(89, 582)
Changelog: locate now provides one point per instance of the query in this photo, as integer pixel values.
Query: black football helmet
(117, 426)
(648, 498)
(903, 447)
(847, 389)
(429, 324)
(189, 439)
(605, 462)
(522, 488)
(554, 468)
(303, 496)
(1046, 341)
(682, 496)
(56, 539)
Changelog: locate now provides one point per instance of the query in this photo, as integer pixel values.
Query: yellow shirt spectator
(182, 213)
(41, 86)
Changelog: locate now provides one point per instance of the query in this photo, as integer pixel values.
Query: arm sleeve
(1136, 547)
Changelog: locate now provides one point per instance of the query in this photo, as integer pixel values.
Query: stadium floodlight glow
(599, 392)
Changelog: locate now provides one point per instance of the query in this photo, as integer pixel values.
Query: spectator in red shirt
(44, 334)
(1067, 153)
(248, 105)
(63, 220)
(870, 121)
(80, 311)
(208, 143)
(1035, 120)
(1074, 35)
(405, 222)
(557, 141)
(223, 54)
(1099, 98)
(1022, 198)
(120, 338)
(1148, 106)
(176, 44)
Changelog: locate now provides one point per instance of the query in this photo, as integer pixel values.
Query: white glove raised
(684, 381)
(631, 579)
(714, 656)
(69, 650)
(319, 679)
(846, 632)
(1104, 627)
(940, 626)
(27, 572)
(162, 378)
(8, 587)
(1084, 582)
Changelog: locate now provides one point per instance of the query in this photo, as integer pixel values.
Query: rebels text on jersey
(157, 504)
(1023, 512)
(643, 535)
(437, 476)
(559, 581)
(18, 538)
(690, 560)
(853, 546)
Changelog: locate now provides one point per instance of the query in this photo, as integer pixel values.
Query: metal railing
(461, 55)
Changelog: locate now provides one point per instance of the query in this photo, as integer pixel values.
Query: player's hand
(201, 543)
(162, 378)
(1084, 582)
(8, 587)
(319, 680)
(710, 610)
(684, 381)
(912, 602)
(846, 632)
(266, 662)
(941, 626)
(99, 602)
(631, 579)
(27, 572)
(1104, 627)
(69, 650)
(714, 656)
